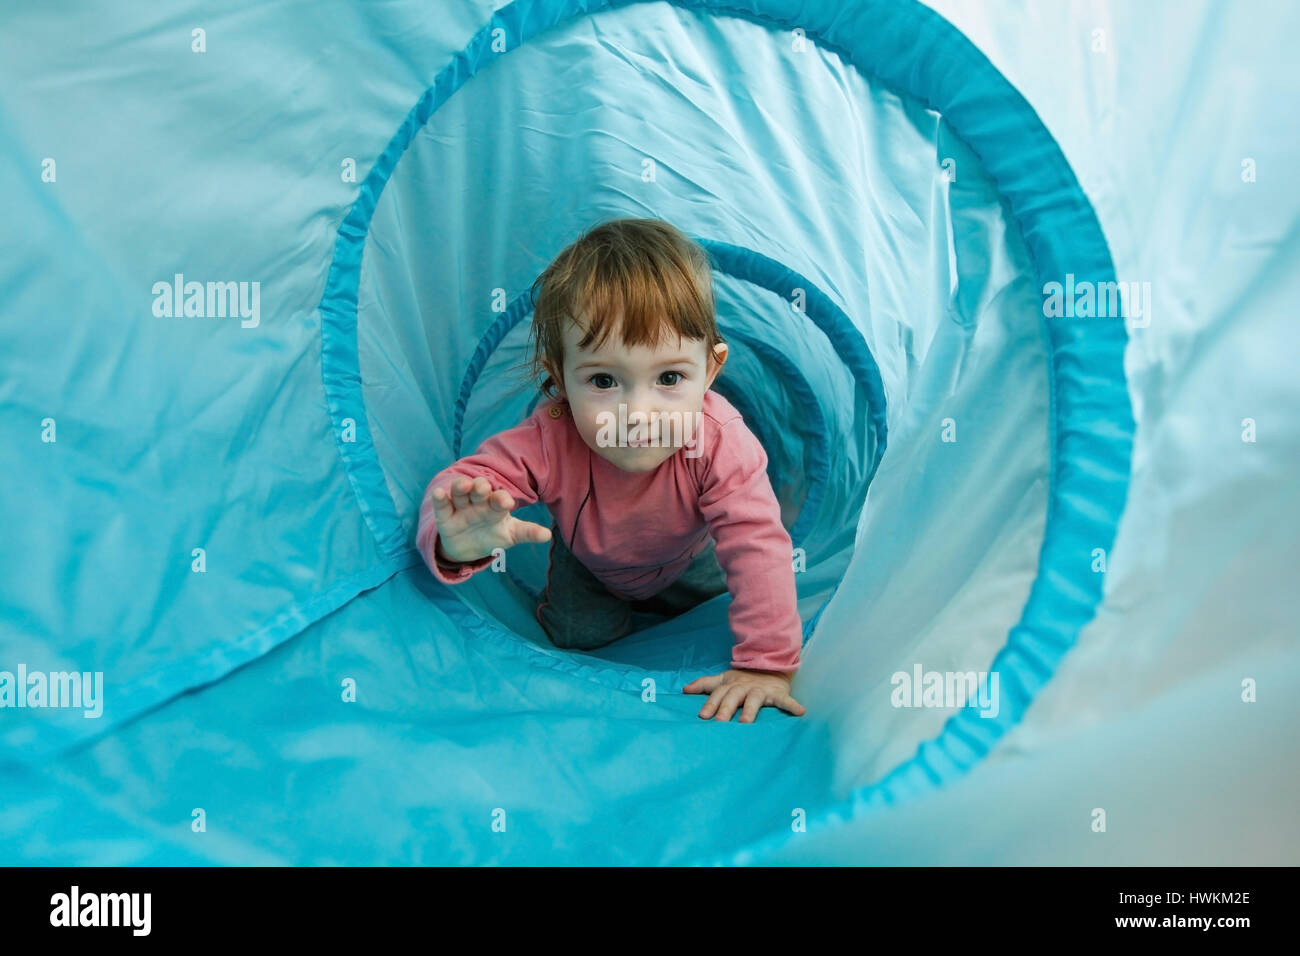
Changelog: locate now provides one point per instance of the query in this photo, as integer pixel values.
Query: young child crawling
(658, 516)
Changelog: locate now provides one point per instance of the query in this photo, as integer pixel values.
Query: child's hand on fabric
(753, 689)
(473, 520)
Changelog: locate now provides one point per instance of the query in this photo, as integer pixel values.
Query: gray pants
(579, 613)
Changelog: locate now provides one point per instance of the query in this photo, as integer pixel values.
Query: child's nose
(638, 399)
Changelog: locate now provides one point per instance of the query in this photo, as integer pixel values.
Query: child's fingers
(732, 698)
(469, 491)
(442, 509)
(445, 502)
(531, 531)
(717, 701)
(753, 703)
(480, 490)
(790, 705)
(460, 491)
(703, 685)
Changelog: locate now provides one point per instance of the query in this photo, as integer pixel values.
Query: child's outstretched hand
(754, 689)
(473, 520)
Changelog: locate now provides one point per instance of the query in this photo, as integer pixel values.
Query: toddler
(658, 489)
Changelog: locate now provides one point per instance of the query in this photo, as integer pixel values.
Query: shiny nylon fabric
(373, 321)
(841, 377)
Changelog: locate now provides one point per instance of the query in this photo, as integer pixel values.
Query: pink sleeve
(754, 549)
(514, 460)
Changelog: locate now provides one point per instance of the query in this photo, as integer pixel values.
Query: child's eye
(603, 380)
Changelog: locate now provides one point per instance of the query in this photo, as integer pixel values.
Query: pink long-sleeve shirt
(637, 532)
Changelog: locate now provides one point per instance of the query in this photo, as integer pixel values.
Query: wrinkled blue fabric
(223, 522)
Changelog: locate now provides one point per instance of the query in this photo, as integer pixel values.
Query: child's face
(671, 378)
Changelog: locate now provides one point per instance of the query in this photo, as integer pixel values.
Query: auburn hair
(658, 278)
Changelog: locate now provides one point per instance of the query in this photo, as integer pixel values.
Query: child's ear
(556, 378)
(716, 361)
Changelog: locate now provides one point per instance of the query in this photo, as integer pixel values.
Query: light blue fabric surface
(811, 147)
